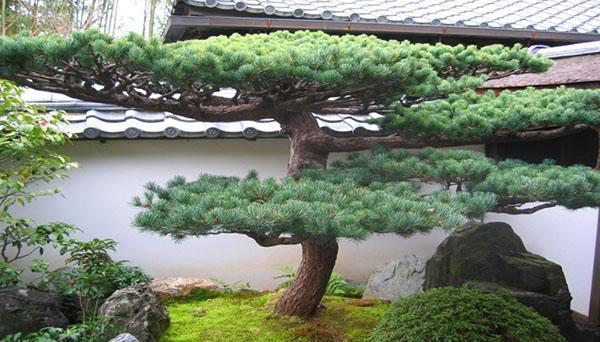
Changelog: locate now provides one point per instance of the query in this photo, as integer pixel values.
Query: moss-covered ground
(248, 316)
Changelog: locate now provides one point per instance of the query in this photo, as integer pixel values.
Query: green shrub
(462, 314)
(95, 276)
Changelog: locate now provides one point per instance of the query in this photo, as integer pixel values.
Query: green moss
(211, 316)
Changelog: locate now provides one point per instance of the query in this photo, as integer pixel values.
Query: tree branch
(329, 143)
(115, 84)
(273, 240)
(514, 210)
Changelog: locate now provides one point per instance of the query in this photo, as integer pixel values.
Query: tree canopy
(426, 92)
(271, 72)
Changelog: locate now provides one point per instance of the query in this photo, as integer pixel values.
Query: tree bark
(303, 296)
(301, 127)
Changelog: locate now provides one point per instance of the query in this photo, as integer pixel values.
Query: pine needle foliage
(379, 192)
(477, 116)
(255, 61)
(510, 182)
(278, 67)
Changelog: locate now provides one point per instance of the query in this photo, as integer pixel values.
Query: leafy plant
(238, 286)
(21, 239)
(95, 276)
(93, 331)
(463, 314)
(336, 286)
(28, 142)
(9, 274)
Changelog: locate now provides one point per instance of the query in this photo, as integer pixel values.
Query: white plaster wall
(96, 197)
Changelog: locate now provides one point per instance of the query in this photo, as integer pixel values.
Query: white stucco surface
(97, 194)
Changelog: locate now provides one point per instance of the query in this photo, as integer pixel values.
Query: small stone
(199, 311)
(175, 287)
(125, 337)
(397, 279)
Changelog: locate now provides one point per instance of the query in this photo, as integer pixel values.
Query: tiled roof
(579, 16)
(100, 121)
(575, 64)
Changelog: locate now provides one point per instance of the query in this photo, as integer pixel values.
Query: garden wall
(97, 194)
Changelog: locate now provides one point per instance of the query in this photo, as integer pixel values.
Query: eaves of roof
(567, 20)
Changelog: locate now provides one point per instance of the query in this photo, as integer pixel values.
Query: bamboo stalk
(3, 18)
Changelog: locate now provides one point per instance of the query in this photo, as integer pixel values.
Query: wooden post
(594, 314)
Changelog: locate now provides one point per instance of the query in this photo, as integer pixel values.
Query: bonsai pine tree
(424, 92)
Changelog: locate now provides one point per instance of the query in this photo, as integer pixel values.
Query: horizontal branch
(324, 142)
(515, 210)
(273, 240)
(211, 109)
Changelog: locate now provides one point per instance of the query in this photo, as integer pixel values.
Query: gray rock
(138, 311)
(397, 279)
(125, 337)
(491, 256)
(25, 310)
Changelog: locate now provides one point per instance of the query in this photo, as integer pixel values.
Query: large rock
(69, 303)
(397, 279)
(24, 310)
(138, 311)
(180, 287)
(491, 256)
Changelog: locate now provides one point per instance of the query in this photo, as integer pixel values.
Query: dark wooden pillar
(594, 314)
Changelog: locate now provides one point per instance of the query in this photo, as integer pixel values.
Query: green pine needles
(477, 117)
(253, 62)
(380, 192)
(271, 73)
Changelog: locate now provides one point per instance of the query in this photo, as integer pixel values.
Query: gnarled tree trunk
(303, 296)
(301, 127)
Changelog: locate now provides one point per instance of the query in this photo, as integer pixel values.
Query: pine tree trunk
(303, 296)
(299, 128)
